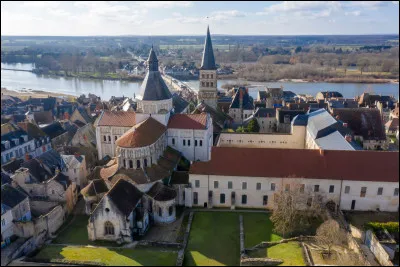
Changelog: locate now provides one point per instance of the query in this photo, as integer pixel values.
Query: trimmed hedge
(391, 227)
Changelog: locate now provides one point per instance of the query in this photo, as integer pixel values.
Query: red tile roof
(376, 166)
(117, 118)
(142, 134)
(188, 121)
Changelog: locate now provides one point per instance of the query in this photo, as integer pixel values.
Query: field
(107, 256)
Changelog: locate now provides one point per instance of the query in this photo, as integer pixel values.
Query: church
(146, 146)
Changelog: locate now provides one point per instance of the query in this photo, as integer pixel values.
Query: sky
(83, 18)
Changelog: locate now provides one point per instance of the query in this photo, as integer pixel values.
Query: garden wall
(376, 248)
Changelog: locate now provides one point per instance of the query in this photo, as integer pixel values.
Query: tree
(330, 234)
(241, 129)
(253, 126)
(294, 206)
(345, 64)
(298, 49)
(362, 63)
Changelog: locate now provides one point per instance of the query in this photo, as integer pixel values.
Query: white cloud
(41, 4)
(228, 13)
(366, 4)
(165, 4)
(355, 13)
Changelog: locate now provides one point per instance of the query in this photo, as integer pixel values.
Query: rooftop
(117, 118)
(188, 121)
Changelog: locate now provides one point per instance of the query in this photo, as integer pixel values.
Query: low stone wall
(268, 244)
(306, 254)
(159, 244)
(260, 262)
(376, 248)
(181, 253)
(242, 248)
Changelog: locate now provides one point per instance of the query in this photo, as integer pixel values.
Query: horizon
(183, 18)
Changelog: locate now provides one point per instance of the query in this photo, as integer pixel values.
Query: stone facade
(106, 137)
(208, 87)
(164, 211)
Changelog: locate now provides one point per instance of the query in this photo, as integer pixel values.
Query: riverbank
(96, 75)
(27, 93)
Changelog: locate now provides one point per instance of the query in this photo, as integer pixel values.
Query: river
(17, 80)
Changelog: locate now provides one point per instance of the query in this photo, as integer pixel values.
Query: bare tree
(330, 234)
(294, 204)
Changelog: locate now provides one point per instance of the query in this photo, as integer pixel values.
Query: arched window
(173, 141)
(109, 138)
(131, 164)
(138, 164)
(105, 138)
(159, 212)
(108, 228)
(170, 210)
(145, 162)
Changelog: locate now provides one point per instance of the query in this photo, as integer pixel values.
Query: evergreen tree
(253, 126)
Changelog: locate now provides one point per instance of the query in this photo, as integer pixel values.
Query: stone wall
(376, 248)
(41, 207)
(181, 253)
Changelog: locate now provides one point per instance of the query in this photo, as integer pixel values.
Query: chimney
(321, 152)
(345, 124)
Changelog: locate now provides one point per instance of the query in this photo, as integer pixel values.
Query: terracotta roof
(117, 118)
(109, 170)
(188, 121)
(395, 111)
(134, 176)
(355, 165)
(142, 134)
(160, 192)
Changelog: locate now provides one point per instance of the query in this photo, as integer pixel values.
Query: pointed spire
(152, 62)
(208, 62)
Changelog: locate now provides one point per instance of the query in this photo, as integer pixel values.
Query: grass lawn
(290, 253)
(213, 240)
(257, 228)
(76, 234)
(360, 218)
(110, 257)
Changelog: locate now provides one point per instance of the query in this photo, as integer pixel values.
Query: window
(203, 83)
(212, 84)
(244, 185)
(145, 162)
(124, 161)
(258, 186)
(287, 187)
(215, 184)
(347, 189)
(131, 164)
(396, 192)
(173, 141)
(208, 76)
(195, 198)
(363, 191)
(244, 199)
(195, 142)
(183, 195)
(109, 138)
(138, 164)
(115, 138)
(201, 142)
(331, 188)
(207, 84)
(211, 76)
(170, 210)
(74, 171)
(309, 201)
(265, 200)
(229, 185)
(316, 188)
(184, 142)
(188, 142)
(197, 183)
(302, 186)
(272, 187)
(105, 138)
(203, 76)
(380, 191)
(108, 228)
(159, 211)
(222, 198)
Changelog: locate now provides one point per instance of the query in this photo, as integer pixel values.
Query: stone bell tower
(208, 75)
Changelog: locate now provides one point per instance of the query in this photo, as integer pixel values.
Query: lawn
(213, 240)
(110, 257)
(257, 228)
(76, 233)
(360, 218)
(290, 253)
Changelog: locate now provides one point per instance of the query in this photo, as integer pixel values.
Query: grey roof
(12, 166)
(5, 179)
(36, 170)
(300, 120)
(153, 87)
(263, 112)
(53, 160)
(247, 100)
(160, 192)
(179, 103)
(291, 113)
(10, 196)
(125, 196)
(208, 61)
(53, 130)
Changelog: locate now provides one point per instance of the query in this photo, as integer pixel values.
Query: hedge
(391, 227)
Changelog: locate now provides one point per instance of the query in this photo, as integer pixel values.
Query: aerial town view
(189, 133)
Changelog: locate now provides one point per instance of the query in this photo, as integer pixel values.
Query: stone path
(164, 232)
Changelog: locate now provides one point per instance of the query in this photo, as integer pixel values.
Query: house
(327, 95)
(42, 141)
(266, 118)
(392, 126)
(219, 118)
(179, 181)
(80, 114)
(93, 193)
(242, 106)
(76, 169)
(58, 135)
(395, 112)
(180, 104)
(367, 125)
(341, 103)
(85, 136)
(384, 110)
(10, 167)
(335, 175)
(284, 118)
(40, 118)
(369, 100)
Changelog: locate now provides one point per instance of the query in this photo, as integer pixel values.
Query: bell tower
(208, 75)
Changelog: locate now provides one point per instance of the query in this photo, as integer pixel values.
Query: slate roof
(125, 196)
(47, 103)
(332, 164)
(13, 135)
(179, 103)
(333, 141)
(72, 161)
(153, 87)
(179, 177)
(160, 192)
(84, 114)
(117, 118)
(62, 179)
(10, 196)
(208, 60)
(89, 153)
(32, 130)
(329, 94)
(5, 179)
(247, 100)
(12, 166)
(291, 113)
(393, 124)
(36, 170)
(137, 176)
(366, 122)
(319, 122)
(262, 95)
(219, 118)
(142, 134)
(53, 160)
(265, 112)
(18, 118)
(188, 121)
(43, 117)
(53, 130)
(94, 188)
(157, 172)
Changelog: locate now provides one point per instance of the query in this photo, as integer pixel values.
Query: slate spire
(152, 62)
(208, 62)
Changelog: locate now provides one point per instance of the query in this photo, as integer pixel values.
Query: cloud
(165, 4)
(366, 4)
(395, 2)
(355, 13)
(41, 4)
(226, 14)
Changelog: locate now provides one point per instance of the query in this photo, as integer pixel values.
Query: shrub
(391, 227)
